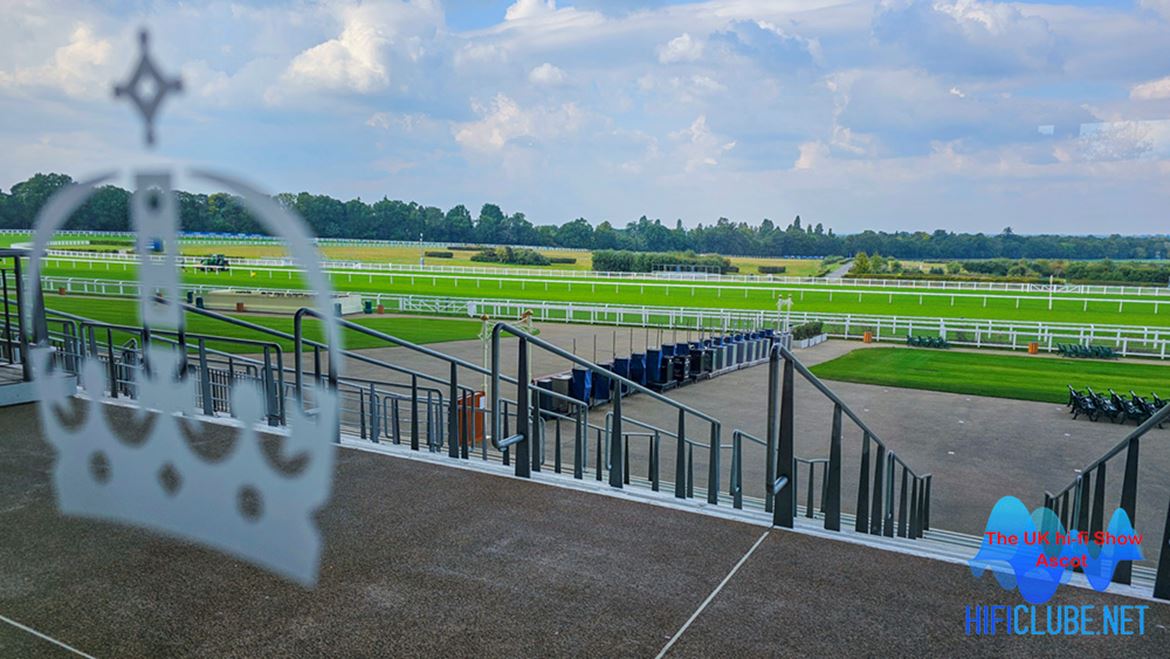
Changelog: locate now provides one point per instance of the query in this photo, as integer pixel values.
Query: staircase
(695, 465)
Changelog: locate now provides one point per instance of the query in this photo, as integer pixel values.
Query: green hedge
(439, 255)
(611, 260)
(773, 269)
(808, 330)
(510, 255)
(561, 259)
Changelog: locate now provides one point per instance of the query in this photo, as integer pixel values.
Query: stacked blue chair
(638, 368)
(654, 365)
(601, 385)
(621, 366)
(582, 386)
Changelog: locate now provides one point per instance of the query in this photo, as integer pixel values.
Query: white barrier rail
(1127, 340)
(937, 287)
(545, 278)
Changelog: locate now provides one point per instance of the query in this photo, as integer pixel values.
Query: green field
(409, 255)
(415, 330)
(1040, 379)
(763, 296)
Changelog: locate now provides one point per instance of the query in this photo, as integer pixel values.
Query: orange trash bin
(867, 337)
(1033, 348)
(471, 417)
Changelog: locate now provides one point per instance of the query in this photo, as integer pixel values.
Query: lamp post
(421, 258)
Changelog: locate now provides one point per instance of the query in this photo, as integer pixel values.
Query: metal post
(713, 467)
(557, 448)
(536, 437)
(832, 506)
(914, 509)
(888, 525)
(204, 380)
(375, 427)
(784, 501)
(1162, 580)
(737, 471)
(902, 504)
(1124, 572)
(680, 474)
(861, 523)
(579, 440)
(809, 508)
(615, 444)
(414, 412)
(523, 466)
(926, 505)
(772, 428)
(453, 416)
(38, 319)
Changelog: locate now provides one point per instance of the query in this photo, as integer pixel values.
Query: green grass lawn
(1001, 376)
(654, 293)
(416, 330)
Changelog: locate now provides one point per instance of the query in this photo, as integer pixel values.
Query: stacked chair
(665, 367)
(1115, 407)
(1085, 351)
(926, 342)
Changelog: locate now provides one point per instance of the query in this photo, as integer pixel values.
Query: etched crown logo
(255, 504)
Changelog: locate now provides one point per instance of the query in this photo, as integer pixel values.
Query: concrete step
(938, 544)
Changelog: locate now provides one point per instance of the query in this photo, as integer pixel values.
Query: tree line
(390, 219)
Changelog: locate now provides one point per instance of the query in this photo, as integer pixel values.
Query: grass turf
(416, 330)
(1001, 376)
(655, 293)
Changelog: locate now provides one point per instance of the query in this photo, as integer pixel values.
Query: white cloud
(811, 154)
(359, 58)
(530, 9)
(968, 36)
(504, 121)
(76, 68)
(1159, 6)
(1152, 90)
(407, 123)
(699, 146)
(683, 48)
(546, 74)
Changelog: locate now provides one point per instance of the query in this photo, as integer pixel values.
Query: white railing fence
(1127, 340)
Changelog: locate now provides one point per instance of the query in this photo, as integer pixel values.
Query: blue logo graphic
(1034, 552)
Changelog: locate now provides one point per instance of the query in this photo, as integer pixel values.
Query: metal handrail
(845, 409)
(524, 461)
(1158, 418)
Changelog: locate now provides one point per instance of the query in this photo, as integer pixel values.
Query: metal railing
(1080, 505)
(527, 452)
(441, 414)
(875, 511)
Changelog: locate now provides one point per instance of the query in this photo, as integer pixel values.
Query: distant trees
(391, 219)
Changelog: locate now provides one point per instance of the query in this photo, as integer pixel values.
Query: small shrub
(439, 255)
(808, 330)
(510, 255)
(561, 259)
(773, 269)
(488, 255)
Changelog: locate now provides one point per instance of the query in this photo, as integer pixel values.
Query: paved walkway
(841, 270)
(978, 449)
(437, 561)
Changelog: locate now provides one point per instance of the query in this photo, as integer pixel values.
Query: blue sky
(894, 114)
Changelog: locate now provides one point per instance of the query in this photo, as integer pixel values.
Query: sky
(965, 115)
